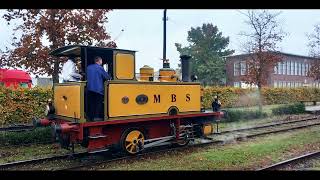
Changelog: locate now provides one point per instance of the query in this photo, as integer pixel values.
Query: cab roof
(75, 50)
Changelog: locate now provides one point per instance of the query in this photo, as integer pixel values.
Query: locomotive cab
(70, 97)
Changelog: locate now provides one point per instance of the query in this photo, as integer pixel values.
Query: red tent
(15, 78)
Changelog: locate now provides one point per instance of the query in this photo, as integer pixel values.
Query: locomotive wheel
(184, 139)
(132, 141)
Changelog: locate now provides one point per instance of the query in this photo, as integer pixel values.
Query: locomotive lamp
(49, 109)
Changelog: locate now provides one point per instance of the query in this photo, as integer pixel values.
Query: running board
(97, 137)
(156, 143)
(98, 151)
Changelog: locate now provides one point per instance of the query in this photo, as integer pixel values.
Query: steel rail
(17, 128)
(291, 161)
(268, 125)
(23, 162)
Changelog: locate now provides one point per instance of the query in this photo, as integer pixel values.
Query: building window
(307, 68)
(236, 84)
(275, 69)
(299, 68)
(292, 67)
(243, 68)
(236, 68)
(303, 69)
(295, 68)
(275, 84)
(288, 67)
(284, 68)
(279, 68)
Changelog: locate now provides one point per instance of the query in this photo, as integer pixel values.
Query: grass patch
(241, 156)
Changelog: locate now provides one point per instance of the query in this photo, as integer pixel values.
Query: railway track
(209, 142)
(17, 128)
(130, 157)
(269, 125)
(291, 161)
(38, 160)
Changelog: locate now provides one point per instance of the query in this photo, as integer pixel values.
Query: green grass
(244, 155)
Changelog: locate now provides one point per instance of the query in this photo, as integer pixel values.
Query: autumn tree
(262, 47)
(207, 47)
(314, 45)
(44, 30)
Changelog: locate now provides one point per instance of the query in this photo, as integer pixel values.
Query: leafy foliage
(296, 108)
(37, 135)
(237, 97)
(207, 46)
(59, 27)
(235, 115)
(314, 45)
(20, 106)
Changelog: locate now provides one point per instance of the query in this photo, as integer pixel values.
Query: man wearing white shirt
(69, 72)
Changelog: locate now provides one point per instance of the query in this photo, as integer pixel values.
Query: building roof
(283, 53)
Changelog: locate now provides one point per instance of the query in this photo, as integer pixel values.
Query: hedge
(296, 108)
(236, 115)
(38, 135)
(237, 97)
(20, 106)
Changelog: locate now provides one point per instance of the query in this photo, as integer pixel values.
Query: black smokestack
(185, 68)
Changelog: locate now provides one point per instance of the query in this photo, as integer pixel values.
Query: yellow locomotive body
(155, 98)
(130, 99)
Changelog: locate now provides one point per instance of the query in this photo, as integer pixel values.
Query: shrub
(235, 115)
(42, 134)
(296, 108)
(237, 97)
(21, 105)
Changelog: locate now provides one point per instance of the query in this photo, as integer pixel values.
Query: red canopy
(14, 75)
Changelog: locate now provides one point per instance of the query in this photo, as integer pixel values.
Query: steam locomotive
(139, 113)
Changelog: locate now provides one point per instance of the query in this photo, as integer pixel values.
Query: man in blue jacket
(96, 76)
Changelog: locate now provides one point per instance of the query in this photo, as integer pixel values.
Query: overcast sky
(143, 30)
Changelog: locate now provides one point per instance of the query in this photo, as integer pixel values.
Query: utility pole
(164, 58)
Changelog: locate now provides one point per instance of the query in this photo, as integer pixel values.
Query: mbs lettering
(156, 98)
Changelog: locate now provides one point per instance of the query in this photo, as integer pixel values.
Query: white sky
(143, 31)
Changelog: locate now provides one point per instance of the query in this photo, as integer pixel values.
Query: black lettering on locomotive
(187, 97)
(173, 98)
(156, 98)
